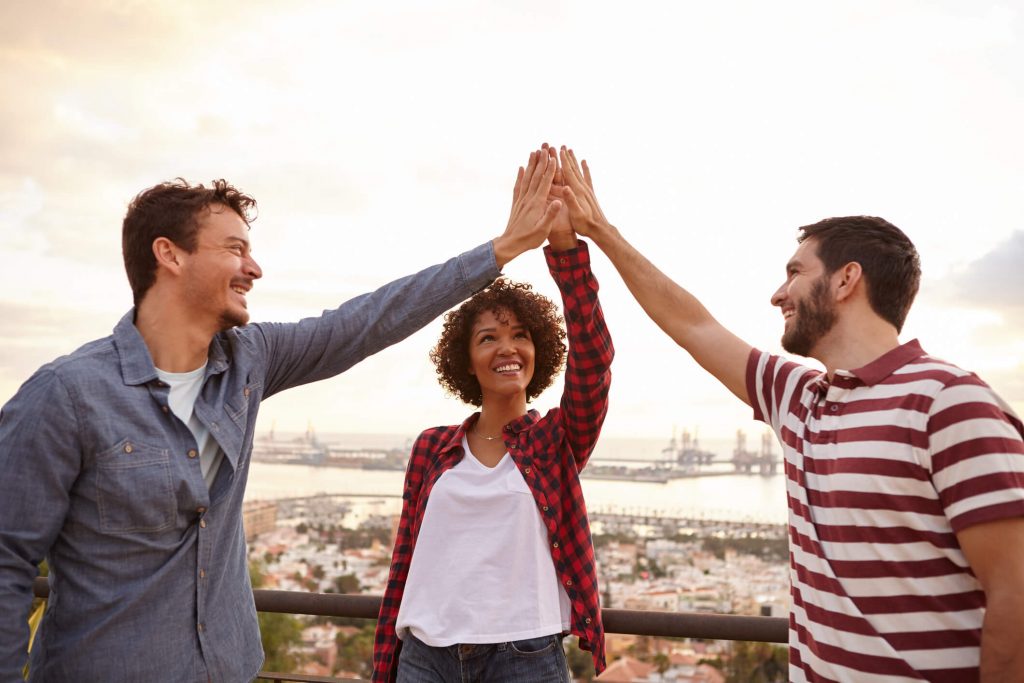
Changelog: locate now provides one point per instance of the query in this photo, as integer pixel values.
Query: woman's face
(501, 354)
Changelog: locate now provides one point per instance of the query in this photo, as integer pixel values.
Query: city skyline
(379, 139)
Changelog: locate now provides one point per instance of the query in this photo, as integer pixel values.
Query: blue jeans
(534, 660)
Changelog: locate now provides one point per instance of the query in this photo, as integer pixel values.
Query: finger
(572, 172)
(531, 169)
(541, 180)
(519, 184)
(548, 219)
(586, 175)
(575, 210)
(517, 192)
(546, 178)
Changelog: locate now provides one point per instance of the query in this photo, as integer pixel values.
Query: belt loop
(502, 646)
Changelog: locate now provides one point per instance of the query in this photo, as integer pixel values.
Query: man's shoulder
(89, 359)
(933, 376)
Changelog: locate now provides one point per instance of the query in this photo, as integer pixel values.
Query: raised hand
(562, 236)
(532, 213)
(578, 193)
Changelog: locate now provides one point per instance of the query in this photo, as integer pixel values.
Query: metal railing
(634, 622)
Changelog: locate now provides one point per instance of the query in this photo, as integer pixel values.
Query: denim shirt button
(192, 453)
(202, 524)
(200, 509)
(128, 448)
(166, 409)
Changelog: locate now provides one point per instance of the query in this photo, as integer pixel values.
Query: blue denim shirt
(148, 570)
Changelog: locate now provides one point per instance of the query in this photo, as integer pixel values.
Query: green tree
(355, 652)
(581, 664)
(751, 662)
(347, 583)
(280, 632)
(662, 662)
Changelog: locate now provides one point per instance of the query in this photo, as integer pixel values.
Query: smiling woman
(493, 563)
(505, 307)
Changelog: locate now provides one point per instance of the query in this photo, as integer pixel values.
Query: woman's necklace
(485, 438)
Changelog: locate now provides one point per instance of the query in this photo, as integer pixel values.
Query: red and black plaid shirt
(550, 451)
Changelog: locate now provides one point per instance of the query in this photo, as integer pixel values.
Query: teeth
(239, 290)
(510, 367)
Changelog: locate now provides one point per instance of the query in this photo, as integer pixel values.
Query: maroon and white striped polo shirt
(884, 465)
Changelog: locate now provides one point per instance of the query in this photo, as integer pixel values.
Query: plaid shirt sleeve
(588, 372)
(386, 644)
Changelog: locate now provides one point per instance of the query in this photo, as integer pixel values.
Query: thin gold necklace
(477, 433)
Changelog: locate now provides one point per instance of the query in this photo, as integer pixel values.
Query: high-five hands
(578, 194)
(562, 237)
(533, 210)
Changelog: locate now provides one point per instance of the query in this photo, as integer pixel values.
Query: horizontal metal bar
(303, 678)
(636, 622)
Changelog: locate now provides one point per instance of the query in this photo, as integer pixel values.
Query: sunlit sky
(382, 137)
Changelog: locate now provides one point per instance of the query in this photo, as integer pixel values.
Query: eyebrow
(495, 329)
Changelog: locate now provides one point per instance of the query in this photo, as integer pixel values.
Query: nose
(779, 296)
(252, 269)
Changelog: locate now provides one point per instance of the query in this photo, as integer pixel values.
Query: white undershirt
(482, 569)
(184, 391)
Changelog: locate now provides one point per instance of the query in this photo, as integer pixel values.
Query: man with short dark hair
(905, 474)
(124, 463)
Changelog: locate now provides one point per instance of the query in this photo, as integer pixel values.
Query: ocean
(739, 498)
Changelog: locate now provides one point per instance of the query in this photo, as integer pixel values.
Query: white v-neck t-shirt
(184, 390)
(482, 570)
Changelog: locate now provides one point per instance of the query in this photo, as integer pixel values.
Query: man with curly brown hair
(124, 463)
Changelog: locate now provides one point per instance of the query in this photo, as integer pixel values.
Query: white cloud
(381, 137)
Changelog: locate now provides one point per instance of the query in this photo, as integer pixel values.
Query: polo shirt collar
(882, 367)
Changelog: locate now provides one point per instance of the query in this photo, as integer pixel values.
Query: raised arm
(588, 368)
(677, 312)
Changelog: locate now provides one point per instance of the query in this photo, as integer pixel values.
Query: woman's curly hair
(536, 312)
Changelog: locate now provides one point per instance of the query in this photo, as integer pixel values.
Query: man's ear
(167, 254)
(847, 279)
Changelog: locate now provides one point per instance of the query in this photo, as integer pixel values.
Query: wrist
(601, 232)
(504, 250)
(563, 242)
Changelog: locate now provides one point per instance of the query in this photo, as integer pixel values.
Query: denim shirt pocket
(134, 491)
(237, 406)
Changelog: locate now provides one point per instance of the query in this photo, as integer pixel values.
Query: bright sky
(383, 137)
